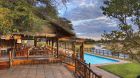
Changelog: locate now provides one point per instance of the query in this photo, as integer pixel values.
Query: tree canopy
(128, 35)
(26, 15)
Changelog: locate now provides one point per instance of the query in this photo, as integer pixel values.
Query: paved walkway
(104, 73)
(37, 71)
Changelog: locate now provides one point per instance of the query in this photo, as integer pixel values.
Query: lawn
(129, 70)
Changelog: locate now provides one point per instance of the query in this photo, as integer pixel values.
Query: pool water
(93, 59)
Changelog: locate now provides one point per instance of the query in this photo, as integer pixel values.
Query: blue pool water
(93, 59)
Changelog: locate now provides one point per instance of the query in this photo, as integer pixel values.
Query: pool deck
(103, 73)
(119, 62)
(37, 71)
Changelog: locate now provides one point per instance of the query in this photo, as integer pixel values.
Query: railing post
(124, 56)
(107, 53)
(112, 54)
(84, 72)
(103, 52)
(100, 76)
(118, 54)
(75, 65)
(89, 65)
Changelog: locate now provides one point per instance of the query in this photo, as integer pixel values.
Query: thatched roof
(62, 31)
(53, 30)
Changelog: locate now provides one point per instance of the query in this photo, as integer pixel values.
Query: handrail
(82, 69)
(119, 55)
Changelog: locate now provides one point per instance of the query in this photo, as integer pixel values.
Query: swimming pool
(93, 59)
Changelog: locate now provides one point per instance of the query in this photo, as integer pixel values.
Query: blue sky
(87, 18)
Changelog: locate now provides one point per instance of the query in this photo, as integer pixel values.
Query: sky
(87, 18)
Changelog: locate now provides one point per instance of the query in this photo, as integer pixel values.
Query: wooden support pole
(46, 41)
(14, 48)
(59, 44)
(82, 52)
(65, 46)
(0, 48)
(52, 46)
(35, 41)
(10, 59)
(57, 48)
(27, 54)
(73, 49)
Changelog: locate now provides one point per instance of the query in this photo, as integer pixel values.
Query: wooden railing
(22, 52)
(108, 53)
(82, 70)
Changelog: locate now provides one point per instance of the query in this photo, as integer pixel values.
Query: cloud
(89, 3)
(87, 18)
(79, 22)
(101, 18)
(110, 22)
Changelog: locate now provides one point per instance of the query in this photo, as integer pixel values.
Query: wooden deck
(37, 71)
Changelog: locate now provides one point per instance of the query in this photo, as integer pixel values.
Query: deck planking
(37, 71)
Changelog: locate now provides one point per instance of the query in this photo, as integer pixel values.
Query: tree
(122, 10)
(5, 22)
(26, 15)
